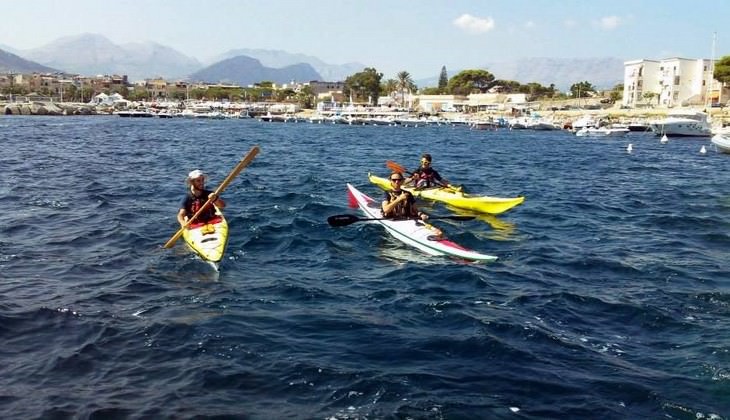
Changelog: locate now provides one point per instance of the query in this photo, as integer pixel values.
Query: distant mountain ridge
(245, 71)
(10, 62)
(279, 59)
(91, 54)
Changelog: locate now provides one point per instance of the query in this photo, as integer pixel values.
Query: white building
(670, 82)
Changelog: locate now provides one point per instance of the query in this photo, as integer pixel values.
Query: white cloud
(570, 23)
(609, 22)
(474, 24)
(529, 24)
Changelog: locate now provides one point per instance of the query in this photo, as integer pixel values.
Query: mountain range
(92, 54)
(10, 62)
(244, 71)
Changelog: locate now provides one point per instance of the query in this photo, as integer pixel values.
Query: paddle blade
(351, 201)
(462, 218)
(395, 167)
(342, 220)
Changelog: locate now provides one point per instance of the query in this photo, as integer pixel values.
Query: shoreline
(717, 115)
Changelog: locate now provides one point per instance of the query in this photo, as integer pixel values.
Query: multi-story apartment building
(670, 82)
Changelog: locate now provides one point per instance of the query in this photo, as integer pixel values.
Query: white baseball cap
(196, 174)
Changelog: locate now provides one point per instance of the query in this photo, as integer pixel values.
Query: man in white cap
(196, 197)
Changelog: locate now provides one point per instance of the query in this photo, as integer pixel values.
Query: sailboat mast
(711, 82)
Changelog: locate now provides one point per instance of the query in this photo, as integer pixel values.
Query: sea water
(610, 298)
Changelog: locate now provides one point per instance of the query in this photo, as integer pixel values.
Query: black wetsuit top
(427, 177)
(405, 209)
(192, 204)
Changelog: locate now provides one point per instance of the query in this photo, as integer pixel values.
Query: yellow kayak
(209, 239)
(477, 203)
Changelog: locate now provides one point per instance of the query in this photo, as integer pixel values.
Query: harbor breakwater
(47, 108)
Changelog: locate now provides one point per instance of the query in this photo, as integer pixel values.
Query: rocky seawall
(46, 108)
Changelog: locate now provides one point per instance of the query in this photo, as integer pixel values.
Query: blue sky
(390, 35)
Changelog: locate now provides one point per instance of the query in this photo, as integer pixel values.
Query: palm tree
(390, 86)
(404, 82)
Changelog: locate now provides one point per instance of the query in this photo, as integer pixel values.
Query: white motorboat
(585, 121)
(722, 143)
(686, 123)
(601, 132)
(541, 124)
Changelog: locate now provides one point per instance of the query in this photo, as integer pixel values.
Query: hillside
(245, 71)
(12, 63)
(279, 59)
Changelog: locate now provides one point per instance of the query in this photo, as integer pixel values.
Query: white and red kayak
(415, 232)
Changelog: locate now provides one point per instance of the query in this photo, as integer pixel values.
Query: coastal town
(651, 90)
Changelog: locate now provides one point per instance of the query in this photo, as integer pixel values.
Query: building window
(676, 80)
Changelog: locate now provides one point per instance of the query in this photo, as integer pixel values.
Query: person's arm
(437, 178)
(389, 205)
(415, 213)
(181, 217)
(217, 201)
(413, 178)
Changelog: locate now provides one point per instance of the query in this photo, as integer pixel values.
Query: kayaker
(425, 176)
(398, 203)
(196, 197)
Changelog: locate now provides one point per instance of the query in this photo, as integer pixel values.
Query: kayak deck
(208, 239)
(415, 232)
(481, 204)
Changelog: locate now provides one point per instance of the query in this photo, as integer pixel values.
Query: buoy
(629, 148)
(703, 150)
(664, 139)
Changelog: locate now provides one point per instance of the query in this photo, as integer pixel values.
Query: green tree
(468, 81)
(405, 82)
(284, 95)
(305, 97)
(508, 86)
(390, 86)
(617, 93)
(443, 80)
(722, 70)
(649, 96)
(582, 89)
(69, 93)
(364, 84)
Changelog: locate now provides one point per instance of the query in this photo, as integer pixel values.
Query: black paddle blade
(342, 220)
(455, 217)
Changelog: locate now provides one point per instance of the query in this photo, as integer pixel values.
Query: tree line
(368, 85)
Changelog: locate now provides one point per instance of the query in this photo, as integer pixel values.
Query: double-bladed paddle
(348, 219)
(231, 176)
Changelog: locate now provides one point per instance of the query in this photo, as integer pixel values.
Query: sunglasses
(396, 179)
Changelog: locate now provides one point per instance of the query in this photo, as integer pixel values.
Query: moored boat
(601, 132)
(722, 143)
(415, 232)
(455, 198)
(682, 123)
